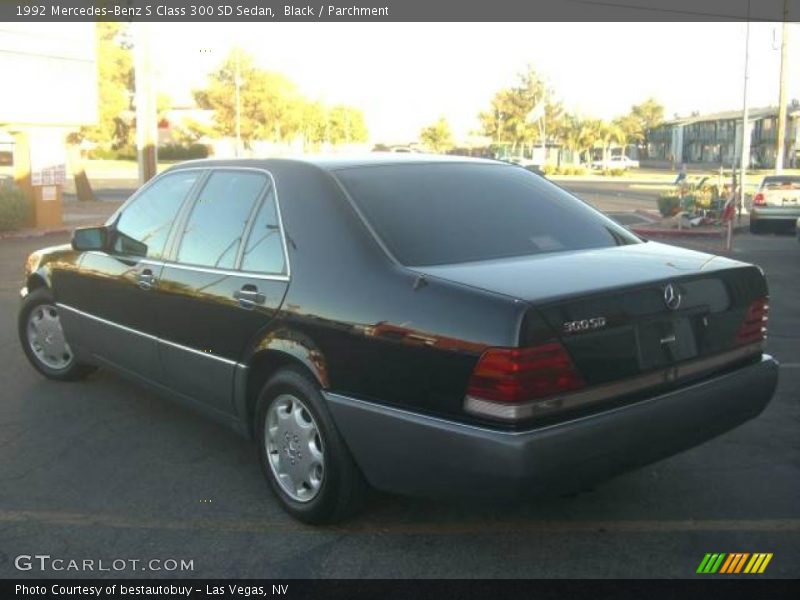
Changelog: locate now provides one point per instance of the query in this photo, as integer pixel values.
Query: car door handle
(249, 296)
(146, 279)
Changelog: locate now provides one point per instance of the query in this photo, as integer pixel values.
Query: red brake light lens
(754, 325)
(759, 199)
(515, 375)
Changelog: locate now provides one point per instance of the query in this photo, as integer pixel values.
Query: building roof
(752, 114)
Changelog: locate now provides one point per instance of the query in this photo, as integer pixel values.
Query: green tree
(270, 105)
(589, 135)
(642, 118)
(314, 125)
(608, 134)
(506, 120)
(114, 87)
(346, 125)
(438, 136)
(568, 132)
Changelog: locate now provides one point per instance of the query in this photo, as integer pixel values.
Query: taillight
(759, 199)
(754, 326)
(520, 375)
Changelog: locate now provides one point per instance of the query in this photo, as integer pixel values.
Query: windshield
(429, 214)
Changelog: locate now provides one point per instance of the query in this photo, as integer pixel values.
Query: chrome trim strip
(554, 404)
(245, 274)
(146, 335)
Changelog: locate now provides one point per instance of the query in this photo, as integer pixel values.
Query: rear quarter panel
(378, 332)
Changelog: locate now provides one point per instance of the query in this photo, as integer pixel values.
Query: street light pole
(238, 84)
(745, 156)
(146, 111)
(781, 141)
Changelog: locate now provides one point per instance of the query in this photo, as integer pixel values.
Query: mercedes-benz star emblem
(672, 297)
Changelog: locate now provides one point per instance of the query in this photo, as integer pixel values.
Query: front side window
(144, 225)
(429, 214)
(263, 251)
(217, 222)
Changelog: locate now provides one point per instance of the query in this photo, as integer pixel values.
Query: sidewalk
(76, 214)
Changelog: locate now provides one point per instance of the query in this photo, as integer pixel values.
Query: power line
(671, 11)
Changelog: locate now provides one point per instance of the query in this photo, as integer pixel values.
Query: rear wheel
(302, 454)
(43, 339)
(756, 226)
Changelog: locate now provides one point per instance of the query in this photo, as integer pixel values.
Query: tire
(305, 446)
(54, 358)
(756, 227)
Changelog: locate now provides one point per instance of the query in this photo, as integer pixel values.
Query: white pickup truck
(776, 201)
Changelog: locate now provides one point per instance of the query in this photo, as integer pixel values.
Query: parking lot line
(78, 519)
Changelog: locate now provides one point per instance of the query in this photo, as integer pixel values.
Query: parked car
(777, 201)
(427, 325)
(616, 162)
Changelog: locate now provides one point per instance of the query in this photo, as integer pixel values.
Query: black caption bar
(400, 589)
(398, 10)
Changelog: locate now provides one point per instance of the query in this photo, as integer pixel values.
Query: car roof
(334, 162)
(780, 178)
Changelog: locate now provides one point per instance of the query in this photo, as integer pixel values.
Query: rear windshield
(782, 183)
(452, 213)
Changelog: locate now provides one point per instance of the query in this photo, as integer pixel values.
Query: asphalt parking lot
(101, 470)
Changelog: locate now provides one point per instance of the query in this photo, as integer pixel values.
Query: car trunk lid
(624, 311)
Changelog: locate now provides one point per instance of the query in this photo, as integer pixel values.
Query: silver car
(776, 201)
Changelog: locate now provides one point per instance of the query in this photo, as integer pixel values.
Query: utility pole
(237, 81)
(780, 150)
(146, 111)
(745, 157)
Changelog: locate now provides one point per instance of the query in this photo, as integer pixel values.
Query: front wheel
(43, 339)
(302, 454)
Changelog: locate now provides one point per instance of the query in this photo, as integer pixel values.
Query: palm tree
(590, 133)
(611, 133)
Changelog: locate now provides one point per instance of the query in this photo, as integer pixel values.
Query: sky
(404, 76)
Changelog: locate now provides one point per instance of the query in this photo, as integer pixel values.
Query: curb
(652, 216)
(653, 231)
(28, 235)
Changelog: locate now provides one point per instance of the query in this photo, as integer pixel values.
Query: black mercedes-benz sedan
(425, 325)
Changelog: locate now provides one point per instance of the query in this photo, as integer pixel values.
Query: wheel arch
(268, 359)
(36, 281)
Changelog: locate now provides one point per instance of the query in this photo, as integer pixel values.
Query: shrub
(126, 152)
(15, 210)
(179, 152)
(669, 205)
(549, 169)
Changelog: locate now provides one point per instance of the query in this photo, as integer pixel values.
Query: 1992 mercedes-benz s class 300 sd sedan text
(426, 325)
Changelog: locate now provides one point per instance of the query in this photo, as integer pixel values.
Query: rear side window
(263, 251)
(217, 222)
(144, 224)
(452, 213)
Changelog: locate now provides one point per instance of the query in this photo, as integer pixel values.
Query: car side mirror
(90, 238)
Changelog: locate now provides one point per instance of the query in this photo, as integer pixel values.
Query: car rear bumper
(408, 453)
(774, 213)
